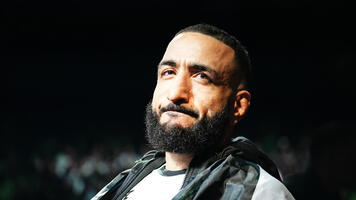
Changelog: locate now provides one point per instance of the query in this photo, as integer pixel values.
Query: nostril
(179, 89)
(179, 101)
(178, 96)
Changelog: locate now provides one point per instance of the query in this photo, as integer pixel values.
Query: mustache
(177, 108)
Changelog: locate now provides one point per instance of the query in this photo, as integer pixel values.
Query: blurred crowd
(315, 165)
(63, 171)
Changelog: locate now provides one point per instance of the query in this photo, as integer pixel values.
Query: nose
(180, 90)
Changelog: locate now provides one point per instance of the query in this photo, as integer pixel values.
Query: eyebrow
(200, 67)
(167, 62)
(205, 68)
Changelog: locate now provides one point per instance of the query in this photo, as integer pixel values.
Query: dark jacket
(233, 173)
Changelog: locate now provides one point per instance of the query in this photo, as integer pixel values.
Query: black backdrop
(85, 70)
(88, 68)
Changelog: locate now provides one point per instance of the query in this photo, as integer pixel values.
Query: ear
(241, 104)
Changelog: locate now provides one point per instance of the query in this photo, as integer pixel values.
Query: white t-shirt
(160, 184)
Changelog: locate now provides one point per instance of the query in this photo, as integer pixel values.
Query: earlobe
(241, 105)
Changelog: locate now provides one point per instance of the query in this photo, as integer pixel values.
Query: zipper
(186, 177)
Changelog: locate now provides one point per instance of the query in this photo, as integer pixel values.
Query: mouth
(175, 112)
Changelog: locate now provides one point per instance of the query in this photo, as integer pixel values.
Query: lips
(180, 109)
(174, 112)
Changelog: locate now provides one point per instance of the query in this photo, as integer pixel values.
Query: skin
(195, 72)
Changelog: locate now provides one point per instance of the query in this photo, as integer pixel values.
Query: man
(201, 94)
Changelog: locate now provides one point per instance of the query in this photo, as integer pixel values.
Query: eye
(202, 75)
(167, 72)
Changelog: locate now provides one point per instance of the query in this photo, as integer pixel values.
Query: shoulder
(121, 177)
(269, 188)
(150, 155)
(105, 190)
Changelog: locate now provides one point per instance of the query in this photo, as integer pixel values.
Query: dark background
(81, 72)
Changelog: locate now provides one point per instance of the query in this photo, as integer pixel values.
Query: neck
(175, 161)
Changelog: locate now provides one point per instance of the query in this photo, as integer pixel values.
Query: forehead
(197, 47)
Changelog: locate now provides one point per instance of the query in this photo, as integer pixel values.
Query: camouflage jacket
(240, 171)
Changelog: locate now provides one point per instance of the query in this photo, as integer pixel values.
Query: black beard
(203, 135)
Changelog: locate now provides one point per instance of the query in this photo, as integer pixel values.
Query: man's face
(195, 74)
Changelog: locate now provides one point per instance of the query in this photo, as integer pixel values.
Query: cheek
(215, 106)
(157, 96)
(211, 101)
(154, 100)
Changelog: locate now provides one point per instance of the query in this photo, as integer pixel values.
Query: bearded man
(201, 94)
